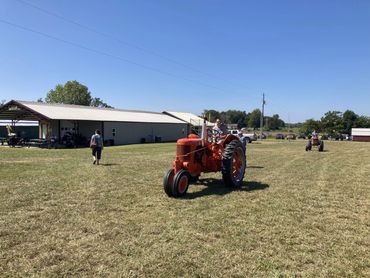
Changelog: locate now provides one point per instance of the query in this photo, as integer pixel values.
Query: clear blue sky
(308, 57)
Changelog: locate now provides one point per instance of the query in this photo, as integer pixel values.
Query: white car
(251, 137)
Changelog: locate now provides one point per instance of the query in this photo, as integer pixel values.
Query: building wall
(87, 128)
(131, 133)
(125, 133)
(360, 132)
(54, 126)
(361, 138)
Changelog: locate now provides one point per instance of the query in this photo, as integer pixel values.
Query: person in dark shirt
(96, 144)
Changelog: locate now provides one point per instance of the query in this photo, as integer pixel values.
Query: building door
(44, 130)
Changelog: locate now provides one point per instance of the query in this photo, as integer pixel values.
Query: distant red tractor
(208, 153)
(315, 142)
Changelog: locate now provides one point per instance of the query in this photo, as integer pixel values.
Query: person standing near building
(96, 144)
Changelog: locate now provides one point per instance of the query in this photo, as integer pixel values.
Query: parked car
(346, 137)
(324, 137)
(291, 136)
(263, 136)
(279, 136)
(250, 137)
(301, 136)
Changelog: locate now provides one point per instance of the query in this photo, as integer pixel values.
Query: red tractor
(209, 153)
(315, 142)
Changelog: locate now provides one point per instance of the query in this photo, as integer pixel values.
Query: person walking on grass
(96, 144)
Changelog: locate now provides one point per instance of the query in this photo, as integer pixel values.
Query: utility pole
(262, 114)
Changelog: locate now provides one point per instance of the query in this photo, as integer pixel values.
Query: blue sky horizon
(308, 57)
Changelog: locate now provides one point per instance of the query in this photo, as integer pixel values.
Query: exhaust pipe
(204, 130)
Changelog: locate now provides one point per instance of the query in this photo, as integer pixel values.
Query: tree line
(244, 119)
(335, 122)
(332, 123)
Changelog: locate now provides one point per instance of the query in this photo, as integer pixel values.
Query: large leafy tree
(70, 93)
(311, 125)
(349, 119)
(73, 92)
(97, 102)
(274, 122)
(332, 122)
(254, 120)
(362, 122)
(236, 117)
(211, 115)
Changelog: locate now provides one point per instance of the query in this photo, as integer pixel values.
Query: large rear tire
(168, 182)
(233, 164)
(181, 183)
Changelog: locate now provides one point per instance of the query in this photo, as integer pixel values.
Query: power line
(108, 54)
(118, 40)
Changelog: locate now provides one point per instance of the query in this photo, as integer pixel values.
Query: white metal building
(361, 134)
(121, 126)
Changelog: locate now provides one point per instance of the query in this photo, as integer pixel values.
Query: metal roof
(19, 123)
(360, 131)
(188, 117)
(39, 110)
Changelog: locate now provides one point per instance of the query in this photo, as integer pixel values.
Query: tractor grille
(182, 150)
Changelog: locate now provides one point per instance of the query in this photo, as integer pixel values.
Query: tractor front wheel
(309, 146)
(181, 183)
(233, 164)
(168, 182)
(321, 146)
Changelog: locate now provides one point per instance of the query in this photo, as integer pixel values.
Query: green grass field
(298, 214)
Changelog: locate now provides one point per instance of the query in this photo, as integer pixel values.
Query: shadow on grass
(108, 164)
(217, 187)
(324, 151)
(255, 167)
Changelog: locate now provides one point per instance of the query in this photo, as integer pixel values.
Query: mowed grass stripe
(298, 214)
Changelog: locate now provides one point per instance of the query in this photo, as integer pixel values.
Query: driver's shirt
(221, 130)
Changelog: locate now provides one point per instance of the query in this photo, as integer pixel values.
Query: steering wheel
(214, 135)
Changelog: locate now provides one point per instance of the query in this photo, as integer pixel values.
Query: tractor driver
(314, 135)
(220, 129)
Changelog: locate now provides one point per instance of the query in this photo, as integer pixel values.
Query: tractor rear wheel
(168, 182)
(321, 146)
(181, 183)
(233, 164)
(309, 146)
